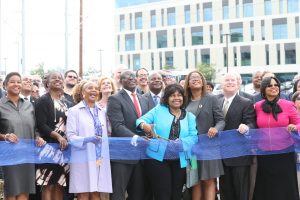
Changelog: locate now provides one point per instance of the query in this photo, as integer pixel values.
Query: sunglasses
(272, 85)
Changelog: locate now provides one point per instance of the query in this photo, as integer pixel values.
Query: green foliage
(168, 67)
(39, 70)
(208, 71)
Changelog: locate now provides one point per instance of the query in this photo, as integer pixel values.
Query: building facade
(254, 35)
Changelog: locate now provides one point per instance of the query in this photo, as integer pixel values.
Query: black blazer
(241, 111)
(123, 116)
(150, 102)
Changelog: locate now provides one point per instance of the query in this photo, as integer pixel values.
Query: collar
(159, 94)
(22, 96)
(129, 92)
(230, 99)
(81, 105)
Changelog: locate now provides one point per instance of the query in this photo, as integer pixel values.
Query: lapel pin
(200, 106)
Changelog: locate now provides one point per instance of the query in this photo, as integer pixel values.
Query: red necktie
(136, 104)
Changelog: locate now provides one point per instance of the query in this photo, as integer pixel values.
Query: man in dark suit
(156, 87)
(123, 109)
(239, 115)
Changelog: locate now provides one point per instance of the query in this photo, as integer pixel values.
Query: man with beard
(256, 80)
(142, 81)
(71, 79)
(156, 87)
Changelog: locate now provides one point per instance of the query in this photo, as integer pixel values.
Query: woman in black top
(51, 111)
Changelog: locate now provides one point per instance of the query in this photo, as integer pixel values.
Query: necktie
(155, 99)
(225, 107)
(136, 104)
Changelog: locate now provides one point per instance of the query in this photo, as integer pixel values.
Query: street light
(100, 61)
(227, 60)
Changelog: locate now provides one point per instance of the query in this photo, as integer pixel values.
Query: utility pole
(100, 61)
(66, 37)
(80, 38)
(23, 61)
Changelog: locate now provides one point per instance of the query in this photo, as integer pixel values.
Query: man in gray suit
(156, 87)
(239, 115)
(123, 109)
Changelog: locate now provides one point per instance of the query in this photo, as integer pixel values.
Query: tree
(208, 71)
(39, 70)
(168, 67)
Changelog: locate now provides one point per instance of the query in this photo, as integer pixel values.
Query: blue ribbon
(227, 144)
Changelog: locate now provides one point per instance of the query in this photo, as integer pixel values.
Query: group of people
(82, 115)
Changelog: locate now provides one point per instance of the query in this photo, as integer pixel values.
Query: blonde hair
(77, 91)
(113, 85)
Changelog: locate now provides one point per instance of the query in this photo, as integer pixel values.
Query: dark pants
(127, 177)
(166, 179)
(235, 184)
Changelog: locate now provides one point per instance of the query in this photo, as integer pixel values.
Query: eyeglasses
(142, 75)
(272, 85)
(69, 76)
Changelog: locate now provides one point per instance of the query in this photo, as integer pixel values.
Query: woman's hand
(292, 127)
(63, 143)
(40, 141)
(11, 137)
(147, 128)
(212, 132)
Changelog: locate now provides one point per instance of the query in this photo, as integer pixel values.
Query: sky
(44, 34)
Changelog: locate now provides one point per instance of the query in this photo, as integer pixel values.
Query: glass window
(237, 8)
(187, 14)
(248, 8)
(171, 17)
(152, 61)
(183, 36)
(129, 42)
(252, 30)
(162, 17)
(221, 33)
(186, 59)
(263, 31)
(138, 21)
(211, 35)
(207, 12)
(267, 55)
(174, 37)
(136, 62)
(245, 56)
(278, 54)
(281, 6)
(225, 12)
(268, 7)
(197, 35)
(169, 59)
(236, 32)
(141, 41)
(161, 39)
(153, 18)
(122, 23)
(290, 53)
(205, 56)
(149, 40)
(130, 21)
(198, 13)
(293, 6)
(280, 29)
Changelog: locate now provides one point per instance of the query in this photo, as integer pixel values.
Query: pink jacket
(274, 134)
